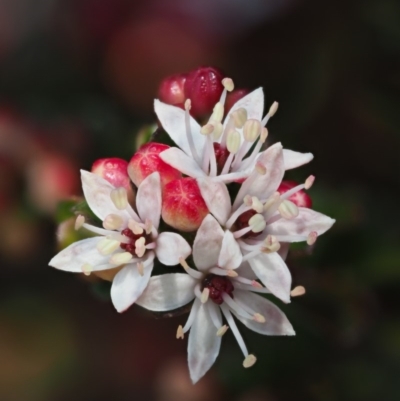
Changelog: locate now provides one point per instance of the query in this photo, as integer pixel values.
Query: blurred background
(77, 79)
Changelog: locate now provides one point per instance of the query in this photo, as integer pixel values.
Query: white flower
(265, 211)
(129, 240)
(231, 140)
(215, 288)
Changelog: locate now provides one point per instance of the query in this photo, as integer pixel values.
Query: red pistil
(130, 246)
(218, 285)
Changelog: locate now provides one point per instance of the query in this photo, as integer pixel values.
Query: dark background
(77, 79)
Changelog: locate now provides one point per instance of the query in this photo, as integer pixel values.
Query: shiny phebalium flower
(128, 241)
(215, 287)
(220, 148)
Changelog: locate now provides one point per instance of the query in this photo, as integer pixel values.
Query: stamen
(218, 128)
(212, 310)
(79, 222)
(207, 129)
(247, 162)
(271, 244)
(257, 205)
(148, 226)
(188, 105)
(107, 246)
(227, 164)
(249, 361)
(257, 223)
(298, 291)
(251, 130)
(239, 117)
(140, 248)
(288, 209)
(236, 307)
(271, 112)
(259, 318)
(218, 112)
(223, 272)
(119, 198)
(180, 333)
(309, 182)
(228, 84)
(233, 141)
(140, 267)
(194, 273)
(312, 237)
(222, 330)
(101, 231)
(121, 258)
(192, 315)
(113, 222)
(87, 269)
(151, 245)
(204, 295)
(135, 227)
(230, 125)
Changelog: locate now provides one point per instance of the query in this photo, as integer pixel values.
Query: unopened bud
(171, 89)
(114, 170)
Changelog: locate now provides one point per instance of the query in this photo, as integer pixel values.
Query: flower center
(221, 155)
(243, 222)
(218, 285)
(131, 246)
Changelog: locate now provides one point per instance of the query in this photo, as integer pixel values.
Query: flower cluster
(221, 182)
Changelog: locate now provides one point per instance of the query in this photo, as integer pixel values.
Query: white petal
(217, 198)
(97, 194)
(171, 247)
(308, 220)
(207, 244)
(294, 159)
(276, 323)
(128, 285)
(265, 185)
(273, 273)
(72, 258)
(178, 159)
(167, 292)
(148, 199)
(253, 103)
(230, 256)
(203, 344)
(284, 250)
(173, 121)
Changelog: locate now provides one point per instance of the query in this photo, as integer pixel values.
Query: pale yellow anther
(119, 198)
(273, 109)
(79, 222)
(228, 84)
(249, 361)
(264, 134)
(184, 264)
(231, 273)
(107, 246)
(298, 291)
(239, 117)
(260, 168)
(251, 130)
(140, 267)
(309, 182)
(204, 295)
(257, 223)
(188, 104)
(312, 237)
(207, 129)
(140, 248)
(87, 269)
(148, 226)
(247, 200)
(180, 333)
(222, 330)
(134, 226)
(271, 201)
(113, 222)
(256, 284)
(218, 112)
(271, 244)
(259, 318)
(288, 209)
(121, 258)
(257, 205)
(218, 128)
(233, 141)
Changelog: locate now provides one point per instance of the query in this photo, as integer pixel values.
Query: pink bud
(147, 160)
(171, 90)
(300, 198)
(114, 170)
(203, 87)
(233, 97)
(183, 206)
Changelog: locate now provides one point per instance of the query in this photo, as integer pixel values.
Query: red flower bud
(300, 198)
(203, 87)
(147, 160)
(233, 97)
(114, 170)
(183, 206)
(171, 90)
